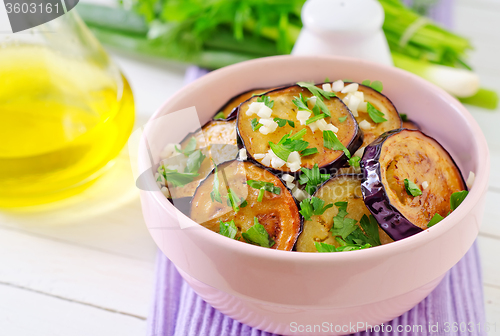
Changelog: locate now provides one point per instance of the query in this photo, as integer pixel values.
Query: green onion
(216, 34)
(484, 98)
(459, 82)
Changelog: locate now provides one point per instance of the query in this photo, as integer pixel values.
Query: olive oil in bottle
(62, 121)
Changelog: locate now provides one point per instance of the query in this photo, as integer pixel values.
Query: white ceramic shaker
(343, 27)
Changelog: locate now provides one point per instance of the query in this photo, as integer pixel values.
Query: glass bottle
(66, 111)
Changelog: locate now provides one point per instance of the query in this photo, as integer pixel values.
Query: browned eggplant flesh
(216, 140)
(234, 192)
(408, 179)
(342, 220)
(372, 126)
(285, 128)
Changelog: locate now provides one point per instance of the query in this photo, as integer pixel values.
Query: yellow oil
(62, 122)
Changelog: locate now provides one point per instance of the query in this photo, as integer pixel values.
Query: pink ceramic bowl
(280, 291)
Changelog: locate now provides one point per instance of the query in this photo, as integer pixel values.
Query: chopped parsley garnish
(220, 115)
(324, 247)
(316, 91)
(457, 198)
(283, 122)
(215, 194)
(309, 151)
(234, 201)
(315, 118)
(370, 228)
(228, 229)
(403, 116)
(343, 226)
(289, 143)
(350, 246)
(315, 109)
(342, 119)
(354, 161)
(258, 235)
(190, 147)
(266, 100)
(255, 124)
(331, 141)
(349, 235)
(194, 161)
(327, 79)
(301, 103)
(313, 206)
(375, 115)
(175, 178)
(434, 220)
(412, 189)
(263, 186)
(376, 85)
(312, 178)
(319, 93)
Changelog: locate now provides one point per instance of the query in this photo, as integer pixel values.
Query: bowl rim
(481, 157)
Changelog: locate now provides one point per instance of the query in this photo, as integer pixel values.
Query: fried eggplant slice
(277, 211)
(397, 164)
(228, 111)
(217, 141)
(284, 102)
(410, 124)
(371, 129)
(340, 188)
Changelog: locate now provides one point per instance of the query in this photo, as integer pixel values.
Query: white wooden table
(86, 267)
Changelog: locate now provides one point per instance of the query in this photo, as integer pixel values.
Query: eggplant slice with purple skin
(255, 142)
(229, 109)
(216, 140)
(381, 103)
(278, 213)
(408, 154)
(340, 188)
(410, 124)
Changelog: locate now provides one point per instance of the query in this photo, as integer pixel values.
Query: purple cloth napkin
(179, 311)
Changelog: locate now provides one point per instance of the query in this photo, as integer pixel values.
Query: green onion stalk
(216, 33)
